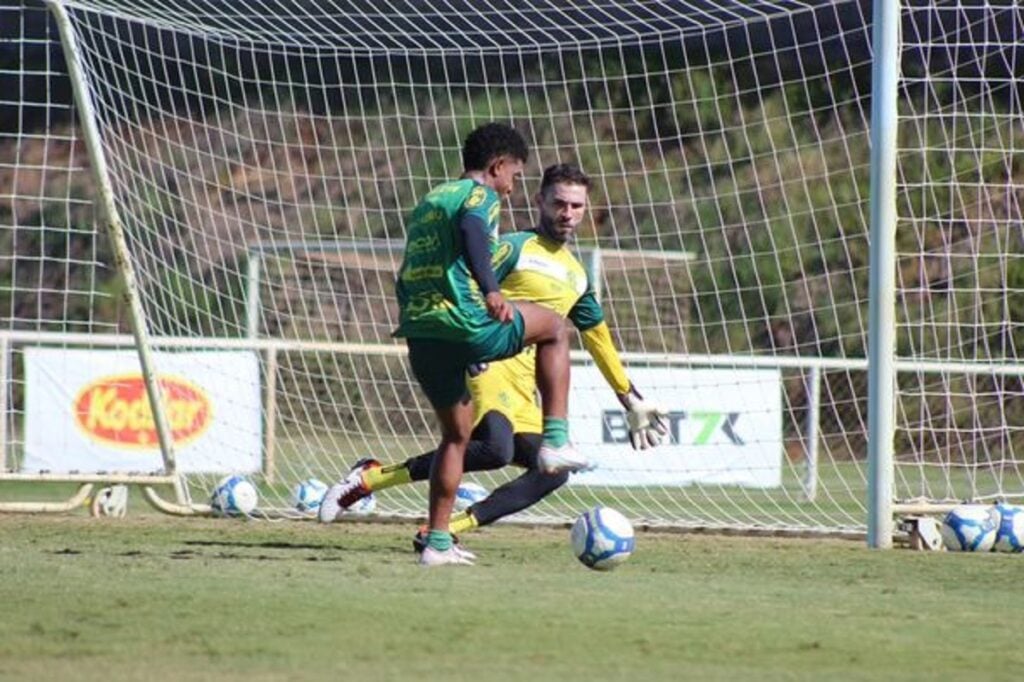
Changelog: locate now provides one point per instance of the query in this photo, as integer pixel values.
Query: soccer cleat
(419, 543)
(565, 458)
(350, 490)
(329, 507)
(451, 556)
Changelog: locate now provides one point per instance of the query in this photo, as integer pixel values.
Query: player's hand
(498, 308)
(648, 423)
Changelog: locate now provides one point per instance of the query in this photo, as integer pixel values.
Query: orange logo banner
(115, 410)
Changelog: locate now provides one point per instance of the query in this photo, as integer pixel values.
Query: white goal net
(262, 160)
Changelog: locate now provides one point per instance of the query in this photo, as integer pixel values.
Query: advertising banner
(87, 411)
(725, 428)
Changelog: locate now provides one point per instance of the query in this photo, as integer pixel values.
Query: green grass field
(153, 597)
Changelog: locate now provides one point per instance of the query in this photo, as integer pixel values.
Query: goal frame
(882, 366)
(114, 229)
(882, 348)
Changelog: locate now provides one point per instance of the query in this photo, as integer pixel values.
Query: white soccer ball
(1010, 534)
(364, 506)
(308, 494)
(234, 495)
(468, 494)
(602, 538)
(970, 528)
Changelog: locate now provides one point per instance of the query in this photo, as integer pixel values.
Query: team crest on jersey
(501, 254)
(476, 197)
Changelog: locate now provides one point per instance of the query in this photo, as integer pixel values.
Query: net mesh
(263, 158)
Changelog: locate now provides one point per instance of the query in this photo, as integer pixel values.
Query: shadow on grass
(235, 550)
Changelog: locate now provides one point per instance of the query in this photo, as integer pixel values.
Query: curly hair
(564, 173)
(490, 141)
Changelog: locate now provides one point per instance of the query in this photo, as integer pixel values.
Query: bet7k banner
(725, 427)
(88, 411)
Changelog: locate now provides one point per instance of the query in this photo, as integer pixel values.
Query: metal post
(115, 232)
(252, 292)
(882, 275)
(595, 272)
(811, 434)
(5, 350)
(269, 413)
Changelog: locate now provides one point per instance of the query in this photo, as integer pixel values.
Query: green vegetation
(766, 187)
(226, 600)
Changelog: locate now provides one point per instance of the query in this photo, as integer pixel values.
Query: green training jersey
(437, 296)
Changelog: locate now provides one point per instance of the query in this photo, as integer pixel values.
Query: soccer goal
(230, 186)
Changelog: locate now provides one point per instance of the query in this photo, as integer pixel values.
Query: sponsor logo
(710, 427)
(114, 410)
(544, 266)
(427, 243)
(422, 272)
(476, 197)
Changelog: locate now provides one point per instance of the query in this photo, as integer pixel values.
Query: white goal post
(248, 174)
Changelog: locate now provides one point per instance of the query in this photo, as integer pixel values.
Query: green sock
(556, 431)
(441, 540)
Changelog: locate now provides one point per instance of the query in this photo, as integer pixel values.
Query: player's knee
(503, 450)
(546, 326)
(455, 433)
(555, 324)
(456, 424)
(561, 331)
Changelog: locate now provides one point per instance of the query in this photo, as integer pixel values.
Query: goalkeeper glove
(647, 422)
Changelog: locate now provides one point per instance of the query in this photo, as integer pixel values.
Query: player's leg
(518, 494)
(446, 471)
(549, 332)
(439, 368)
(490, 447)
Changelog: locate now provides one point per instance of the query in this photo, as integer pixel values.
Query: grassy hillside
(769, 194)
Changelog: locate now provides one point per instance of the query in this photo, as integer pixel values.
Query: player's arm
(647, 422)
(476, 249)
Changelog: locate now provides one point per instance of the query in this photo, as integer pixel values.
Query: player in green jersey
(453, 316)
(538, 266)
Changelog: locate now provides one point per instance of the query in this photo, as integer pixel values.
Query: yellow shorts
(510, 388)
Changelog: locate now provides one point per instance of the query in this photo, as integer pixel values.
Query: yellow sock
(378, 478)
(461, 522)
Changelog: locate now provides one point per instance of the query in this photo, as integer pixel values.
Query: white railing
(271, 348)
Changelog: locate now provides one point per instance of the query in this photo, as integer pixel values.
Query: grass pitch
(152, 597)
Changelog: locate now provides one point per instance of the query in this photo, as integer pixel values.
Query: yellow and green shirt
(534, 268)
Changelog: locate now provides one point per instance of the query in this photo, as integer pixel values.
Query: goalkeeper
(534, 265)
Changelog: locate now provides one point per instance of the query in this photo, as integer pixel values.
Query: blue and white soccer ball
(468, 494)
(970, 528)
(602, 538)
(234, 495)
(1010, 534)
(308, 494)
